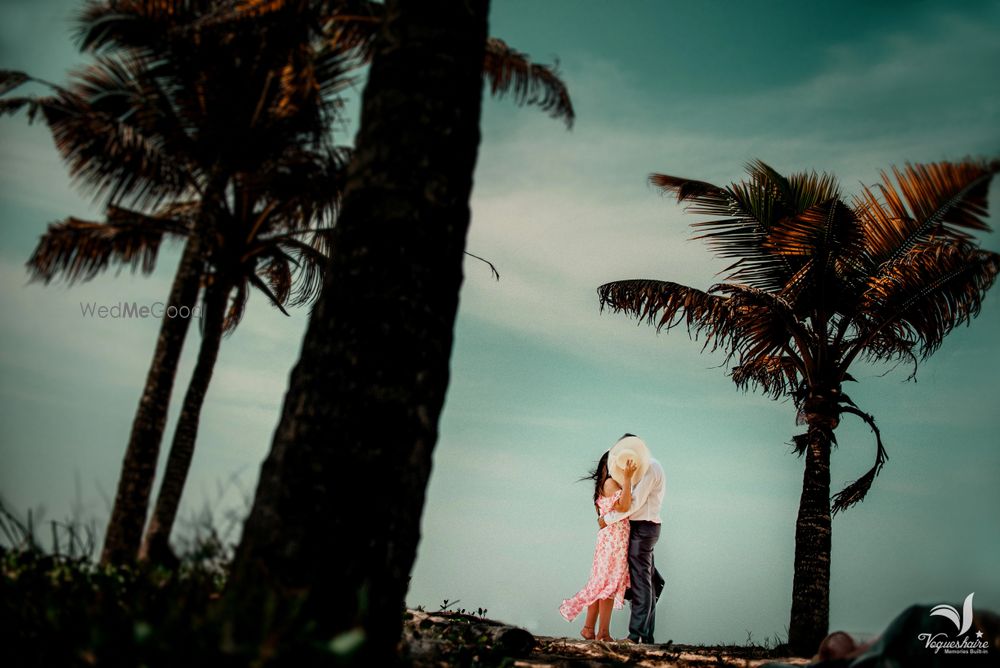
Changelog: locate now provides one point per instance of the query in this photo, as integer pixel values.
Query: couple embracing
(628, 493)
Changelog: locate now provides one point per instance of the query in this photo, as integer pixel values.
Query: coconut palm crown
(818, 283)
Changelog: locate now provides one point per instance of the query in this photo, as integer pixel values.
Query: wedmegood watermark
(962, 642)
(123, 310)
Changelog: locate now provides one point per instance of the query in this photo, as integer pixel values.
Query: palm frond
(667, 305)
(510, 71)
(951, 195)
(887, 346)
(11, 105)
(762, 322)
(332, 71)
(346, 26)
(309, 258)
(11, 79)
(79, 250)
(817, 231)
(97, 127)
(244, 10)
(701, 192)
(748, 211)
(927, 293)
(941, 199)
(857, 490)
(353, 26)
(262, 285)
(238, 305)
(829, 242)
(807, 189)
(311, 264)
(792, 195)
(277, 274)
(307, 183)
(774, 375)
(137, 25)
(311, 79)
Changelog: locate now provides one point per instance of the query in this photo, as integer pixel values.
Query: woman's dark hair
(599, 475)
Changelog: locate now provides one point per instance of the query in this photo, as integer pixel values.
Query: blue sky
(542, 382)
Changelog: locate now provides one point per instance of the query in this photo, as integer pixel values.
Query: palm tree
(335, 522)
(261, 250)
(816, 285)
(347, 31)
(231, 129)
(144, 30)
(351, 26)
(278, 247)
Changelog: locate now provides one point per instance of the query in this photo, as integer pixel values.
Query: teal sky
(542, 382)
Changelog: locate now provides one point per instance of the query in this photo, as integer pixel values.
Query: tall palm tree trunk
(128, 516)
(156, 544)
(811, 581)
(335, 523)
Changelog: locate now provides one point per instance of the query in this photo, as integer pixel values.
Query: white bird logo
(963, 622)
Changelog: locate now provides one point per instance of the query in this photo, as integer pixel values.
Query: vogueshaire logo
(962, 643)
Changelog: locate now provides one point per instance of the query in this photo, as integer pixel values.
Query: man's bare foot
(587, 633)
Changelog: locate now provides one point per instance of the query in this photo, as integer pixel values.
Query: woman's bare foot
(606, 637)
(587, 633)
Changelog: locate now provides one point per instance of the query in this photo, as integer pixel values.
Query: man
(644, 520)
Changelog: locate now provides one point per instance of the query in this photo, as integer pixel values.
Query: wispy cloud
(33, 176)
(596, 220)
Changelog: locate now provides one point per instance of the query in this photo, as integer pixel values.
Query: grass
(59, 607)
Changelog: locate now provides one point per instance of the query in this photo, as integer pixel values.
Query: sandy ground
(567, 652)
(449, 639)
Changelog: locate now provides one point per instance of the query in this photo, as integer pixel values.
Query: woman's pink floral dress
(609, 575)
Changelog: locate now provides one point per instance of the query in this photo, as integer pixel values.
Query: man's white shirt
(647, 497)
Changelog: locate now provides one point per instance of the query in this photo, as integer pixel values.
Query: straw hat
(630, 447)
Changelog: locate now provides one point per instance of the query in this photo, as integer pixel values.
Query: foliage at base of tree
(64, 609)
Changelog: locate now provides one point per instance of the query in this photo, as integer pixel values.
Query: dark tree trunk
(811, 581)
(335, 523)
(128, 516)
(156, 544)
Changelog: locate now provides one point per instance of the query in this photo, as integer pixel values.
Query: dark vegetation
(60, 607)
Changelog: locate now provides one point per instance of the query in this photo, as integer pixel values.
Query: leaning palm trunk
(156, 544)
(121, 542)
(811, 579)
(333, 531)
(128, 517)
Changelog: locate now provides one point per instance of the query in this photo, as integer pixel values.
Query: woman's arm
(625, 500)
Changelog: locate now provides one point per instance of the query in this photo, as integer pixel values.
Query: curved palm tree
(126, 135)
(345, 30)
(264, 251)
(230, 129)
(816, 285)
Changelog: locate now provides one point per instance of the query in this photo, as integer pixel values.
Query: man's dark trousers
(642, 537)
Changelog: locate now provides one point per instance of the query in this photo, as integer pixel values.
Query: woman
(609, 575)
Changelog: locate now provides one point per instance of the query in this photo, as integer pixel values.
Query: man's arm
(639, 496)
